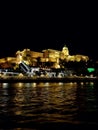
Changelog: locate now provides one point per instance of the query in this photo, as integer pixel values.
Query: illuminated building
(46, 56)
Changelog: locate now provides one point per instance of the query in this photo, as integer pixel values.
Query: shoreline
(45, 79)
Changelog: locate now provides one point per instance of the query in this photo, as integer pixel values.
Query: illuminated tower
(65, 51)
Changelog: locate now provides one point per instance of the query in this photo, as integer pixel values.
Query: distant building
(48, 57)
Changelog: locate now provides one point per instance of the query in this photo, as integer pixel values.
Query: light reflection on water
(23, 103)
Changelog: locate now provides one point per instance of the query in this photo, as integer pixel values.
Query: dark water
(48, 105)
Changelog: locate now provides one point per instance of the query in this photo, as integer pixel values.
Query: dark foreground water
(25, 106)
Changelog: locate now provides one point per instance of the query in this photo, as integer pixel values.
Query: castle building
(50, 56)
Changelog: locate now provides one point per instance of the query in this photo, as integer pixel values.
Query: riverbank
(45, 79)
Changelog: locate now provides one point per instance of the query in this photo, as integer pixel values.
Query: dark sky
(38, 27)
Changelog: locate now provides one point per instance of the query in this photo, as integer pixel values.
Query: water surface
(44, 105)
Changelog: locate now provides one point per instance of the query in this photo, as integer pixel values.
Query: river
(25, 106)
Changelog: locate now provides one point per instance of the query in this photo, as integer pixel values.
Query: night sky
(39, 27)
